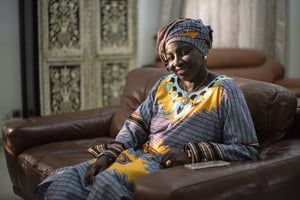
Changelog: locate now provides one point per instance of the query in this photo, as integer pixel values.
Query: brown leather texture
(272, 108)
(246, 63)
(274, 177)
(36, 146)
(231, 57)
(20, 136)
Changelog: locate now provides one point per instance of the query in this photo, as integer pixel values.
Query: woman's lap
(113, 183)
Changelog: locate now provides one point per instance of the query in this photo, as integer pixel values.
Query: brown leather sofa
(36, 146)
(247, 63)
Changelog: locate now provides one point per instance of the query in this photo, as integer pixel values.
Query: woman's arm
(135, 131)
(239, 136)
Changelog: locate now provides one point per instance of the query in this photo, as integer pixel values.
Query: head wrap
(187, 30)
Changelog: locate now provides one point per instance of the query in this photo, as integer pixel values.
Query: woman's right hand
(93, 169)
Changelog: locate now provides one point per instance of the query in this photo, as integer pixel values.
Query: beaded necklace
(184, 99)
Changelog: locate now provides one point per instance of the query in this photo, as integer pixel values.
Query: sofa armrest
(240, 180)
(22, 134)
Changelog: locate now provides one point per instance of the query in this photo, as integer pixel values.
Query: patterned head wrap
(187, 30)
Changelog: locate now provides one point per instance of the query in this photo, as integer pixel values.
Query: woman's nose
(177, 61)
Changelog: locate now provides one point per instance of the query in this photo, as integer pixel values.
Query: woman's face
(185, 60)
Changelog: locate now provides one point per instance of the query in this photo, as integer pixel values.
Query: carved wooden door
(86, 48)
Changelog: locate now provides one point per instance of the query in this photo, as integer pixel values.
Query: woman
(190, 116)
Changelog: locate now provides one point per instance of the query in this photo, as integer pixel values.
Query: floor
(6, 192)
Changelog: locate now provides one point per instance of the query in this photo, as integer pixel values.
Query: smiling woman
(189, 116)
(184, 60)
(182, 46)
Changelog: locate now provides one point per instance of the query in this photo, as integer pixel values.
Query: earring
(205, 58)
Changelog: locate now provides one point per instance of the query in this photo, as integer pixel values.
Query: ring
(168, 163)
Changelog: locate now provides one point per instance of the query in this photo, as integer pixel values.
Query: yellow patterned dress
(213, 123)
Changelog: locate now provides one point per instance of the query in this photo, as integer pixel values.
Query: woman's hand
(175, 157)
(93, 169)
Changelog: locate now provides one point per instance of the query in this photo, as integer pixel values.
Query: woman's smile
(181, 71)
(185, 60)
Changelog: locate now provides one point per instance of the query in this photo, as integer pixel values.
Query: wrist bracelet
(190, 155)
(100, 155)
(109, 158)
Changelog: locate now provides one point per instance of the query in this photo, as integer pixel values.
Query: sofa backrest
(272, 107)
(246, 63)
(234, 58)
(138, 83)
(240, 62)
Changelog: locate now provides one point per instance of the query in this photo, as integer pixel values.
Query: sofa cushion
(272, 107)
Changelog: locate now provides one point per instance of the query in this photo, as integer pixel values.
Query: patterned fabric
(214, 124)
(188, 30)
(116, 182)
(98, 149)
(110, 150)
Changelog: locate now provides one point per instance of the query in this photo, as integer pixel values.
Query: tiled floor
(6, 192)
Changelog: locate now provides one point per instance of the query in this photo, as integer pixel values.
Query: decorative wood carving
(65, 88)
(113, 80)
(63, 16)
(86, 49)
(114, 24)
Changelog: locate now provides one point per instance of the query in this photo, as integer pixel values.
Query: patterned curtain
(256, 24)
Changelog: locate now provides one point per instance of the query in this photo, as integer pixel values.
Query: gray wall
(10, 79)
(148, 25)
(293, 68)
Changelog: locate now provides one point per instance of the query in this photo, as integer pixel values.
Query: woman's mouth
(181, 71)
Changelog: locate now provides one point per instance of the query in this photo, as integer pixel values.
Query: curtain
(256, 24)
(171, 9)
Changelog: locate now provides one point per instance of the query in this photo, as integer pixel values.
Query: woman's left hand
(175, 157)
(93, 169)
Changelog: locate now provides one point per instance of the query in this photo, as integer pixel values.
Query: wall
(293, 69)
(10, 79)
(148, 25)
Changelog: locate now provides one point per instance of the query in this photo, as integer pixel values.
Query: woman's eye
(166, 62)
(184, 52)
(169, 58)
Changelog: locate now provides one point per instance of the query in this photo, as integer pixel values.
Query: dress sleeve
(239, 136)
(135, 131)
